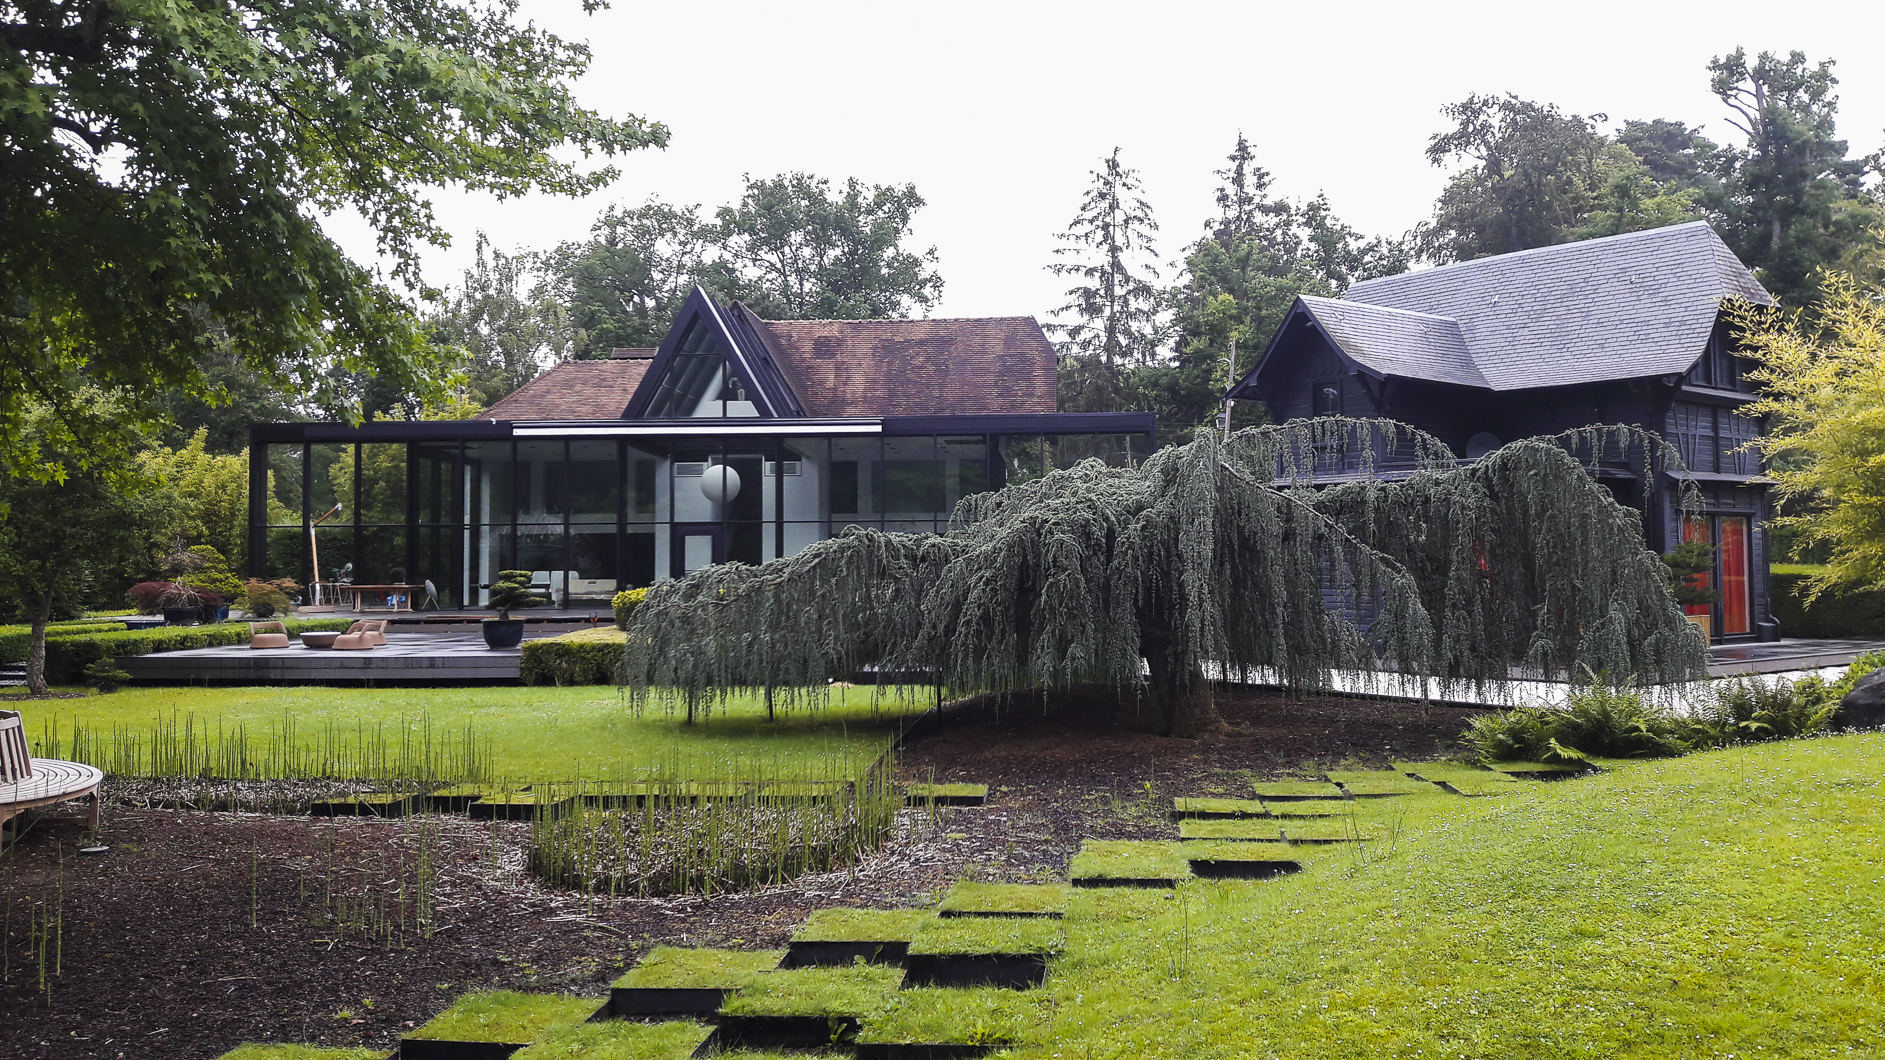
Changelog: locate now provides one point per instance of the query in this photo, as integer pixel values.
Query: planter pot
(502, 632)
(1705, 623)
(183, 616)
(215, 614)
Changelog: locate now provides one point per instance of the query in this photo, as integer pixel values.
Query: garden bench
(27, 782)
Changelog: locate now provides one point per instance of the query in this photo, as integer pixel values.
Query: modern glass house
(738, 440)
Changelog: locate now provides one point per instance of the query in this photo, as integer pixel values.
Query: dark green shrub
(105, 675)
(16, 640)
(1600, 718)
(625, 603)
(512, 590)
(1841, 613)
(1746, 709)
(587, 657)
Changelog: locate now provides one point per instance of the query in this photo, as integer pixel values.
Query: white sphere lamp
(720, 484)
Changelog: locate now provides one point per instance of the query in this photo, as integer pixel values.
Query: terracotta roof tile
(964, 367)
(574, 390)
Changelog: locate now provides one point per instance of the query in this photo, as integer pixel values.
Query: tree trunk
(36, 652)
(1182, 694)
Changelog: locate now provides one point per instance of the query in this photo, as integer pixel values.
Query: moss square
(1377, 782)
(1439, 771)
(257, 1051)
(1566, 768)
(1244, 830)
(672, 968)
(972, 1016)
(1129, 859)
(919, 792)
(505, 1016)
(1326, 830)
(1475, 787)
(1306, 808)
(617, 1040)
(862, 925)
(1297, 789)
(1005, 899)
(1217, 808)
(862, 990)
(1107, 904)
(982, 935)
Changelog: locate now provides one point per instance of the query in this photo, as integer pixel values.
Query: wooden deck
(443, 656)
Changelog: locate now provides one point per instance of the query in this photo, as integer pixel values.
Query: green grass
(862, 990)
(1535, 767)
(576, 733)
(1246, 830)
(1307, 808)
(505, 1016)
(974, 935)
(1447, 771)
(968, 898)
(254, 1051)
(1329, 829)
(1719, 904)
(672, 968)
(616, 1040)
(974, 1016)
(862, 925)
(1364, 783)
(1217, 808)
(1129, 859)
(1297, 789)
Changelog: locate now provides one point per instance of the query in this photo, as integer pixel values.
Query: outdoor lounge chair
(268, 635)
(363, 635)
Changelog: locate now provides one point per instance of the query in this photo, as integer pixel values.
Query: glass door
(1736, 614)
(695, 546)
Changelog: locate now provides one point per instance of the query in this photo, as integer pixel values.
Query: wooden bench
(27, 782)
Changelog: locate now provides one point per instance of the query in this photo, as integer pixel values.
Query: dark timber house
(739, 439)
(1625, 329)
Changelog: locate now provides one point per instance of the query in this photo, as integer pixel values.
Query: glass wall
(590, 516)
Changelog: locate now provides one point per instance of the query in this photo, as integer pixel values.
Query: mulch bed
(197, 931)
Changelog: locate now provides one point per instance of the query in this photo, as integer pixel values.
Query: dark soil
(197, 931)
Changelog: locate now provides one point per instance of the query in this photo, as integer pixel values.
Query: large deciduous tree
(1112, 318)
(1202, 562)
(1823, 391)
(504, 322)
(624, 285)
(163, 166)
(1531, 171)
(794, 250)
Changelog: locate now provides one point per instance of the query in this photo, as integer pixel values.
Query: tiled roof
(966, 367)
(1397, 342)
(574, 390)
(1621, 307)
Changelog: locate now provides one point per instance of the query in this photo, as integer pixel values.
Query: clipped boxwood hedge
(15, 640)
(68, 656)
(1844, 613)
(586, 657)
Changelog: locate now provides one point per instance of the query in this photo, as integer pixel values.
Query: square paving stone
(1248, 831)
(1292, 790)
(968, 898)
(1199, 809)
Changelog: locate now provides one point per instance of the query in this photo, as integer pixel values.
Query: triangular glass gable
(700, 379)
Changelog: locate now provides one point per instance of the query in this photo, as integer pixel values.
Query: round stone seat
(52, 781)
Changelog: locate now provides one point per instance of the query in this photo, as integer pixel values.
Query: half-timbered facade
(1625, 329)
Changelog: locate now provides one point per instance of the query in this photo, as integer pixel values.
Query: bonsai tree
(1208, 555)
(512, 590)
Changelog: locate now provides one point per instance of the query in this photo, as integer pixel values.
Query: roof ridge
(894, 320)
(1554, 248)
(1346, 303)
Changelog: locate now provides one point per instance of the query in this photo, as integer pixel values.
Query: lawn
(566, 734)
(1720, 904)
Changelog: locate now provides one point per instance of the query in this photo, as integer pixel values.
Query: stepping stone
(363, 806)
(1199, 809)
(257, 1051)
(1305, 808)
(1296, 790)
(1463, 779)
(1245, 831)
(925, 1023)
(673, 981)
(459, 797)
(1327, 830)
(806, 1008)
(842, 937)
(1379, 783)
(1539, 770)
(514, 806)
(1128, 863)
(1235, 860)
(983, 951)
(492, 1024)
(611, 1039)
(946, 795)
(809, 792)
(1005, 899)
(1475, 787)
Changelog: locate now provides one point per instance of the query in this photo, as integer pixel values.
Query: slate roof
(574, 390)
(1620, 307)
(962, 367)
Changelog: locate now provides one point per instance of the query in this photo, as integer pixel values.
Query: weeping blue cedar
(1217, 555)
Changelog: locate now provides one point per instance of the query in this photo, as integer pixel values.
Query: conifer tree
(1114, 305)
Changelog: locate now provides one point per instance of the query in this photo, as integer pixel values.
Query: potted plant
(182, 605)
(511, 590)
(1688, 570)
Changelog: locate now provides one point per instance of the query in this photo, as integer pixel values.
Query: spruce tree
(1115, 304)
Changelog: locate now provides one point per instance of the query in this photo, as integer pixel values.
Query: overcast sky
(997, 112)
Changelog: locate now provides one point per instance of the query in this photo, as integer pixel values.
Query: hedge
(15, 640)
(1840, 613)
(586, 657)
(68, 656)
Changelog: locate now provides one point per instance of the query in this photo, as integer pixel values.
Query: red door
(1696, 529)
(1736, 615)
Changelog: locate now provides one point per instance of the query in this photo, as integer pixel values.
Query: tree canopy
(1216, 558)
(1114, 307)
(162, 167)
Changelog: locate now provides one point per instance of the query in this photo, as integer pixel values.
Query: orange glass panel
(1696, 529)
(1735, 613)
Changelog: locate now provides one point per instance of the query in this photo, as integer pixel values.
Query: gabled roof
(573, 390)
(1620, 307)
(1395, 341)
(964, 367)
